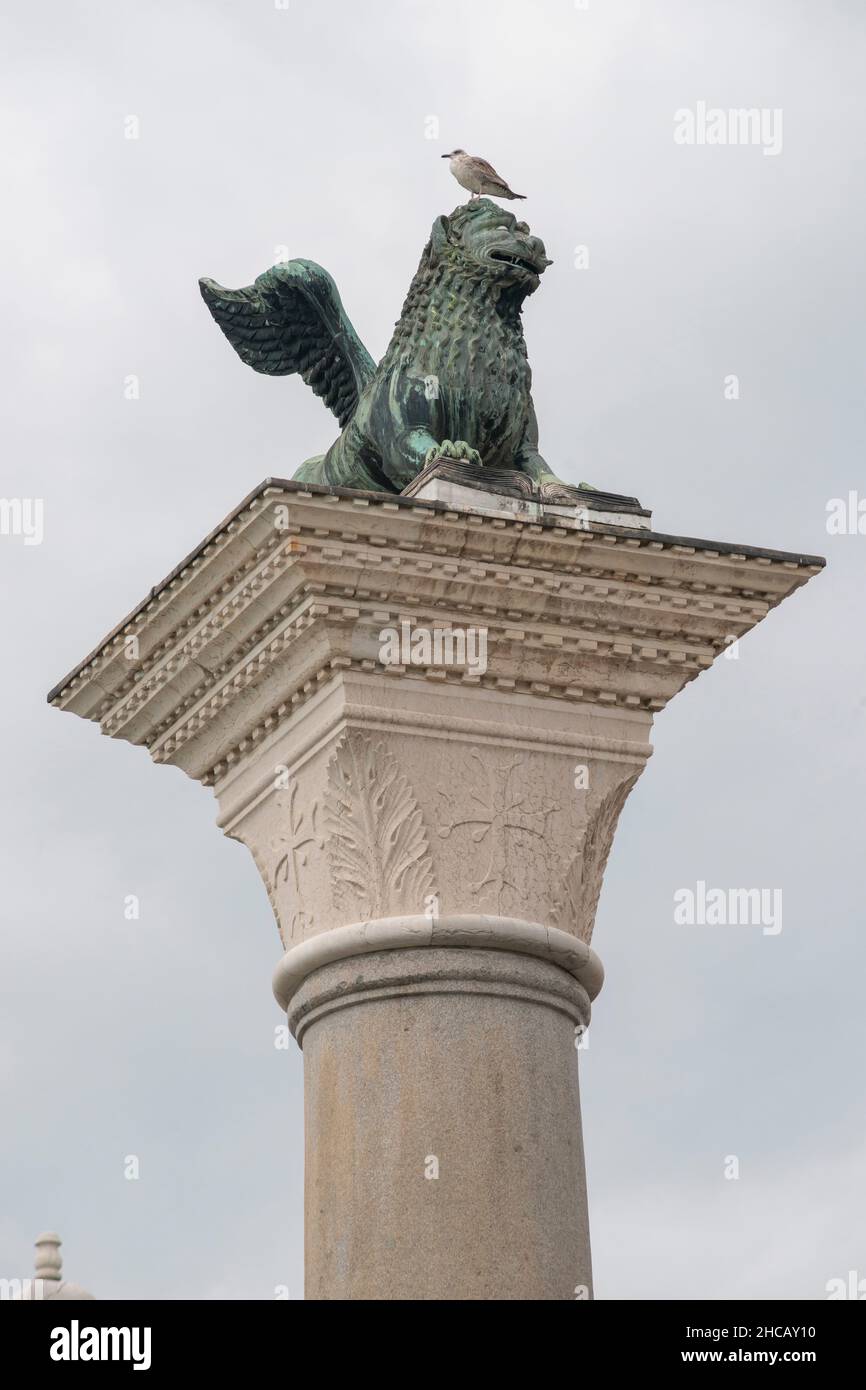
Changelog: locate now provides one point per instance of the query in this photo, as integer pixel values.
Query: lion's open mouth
(514, 260)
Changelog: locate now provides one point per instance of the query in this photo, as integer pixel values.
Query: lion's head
(490, 240)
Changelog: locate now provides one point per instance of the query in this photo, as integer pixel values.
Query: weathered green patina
(455, 380)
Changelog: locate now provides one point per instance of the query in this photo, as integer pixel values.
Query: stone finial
(49, 1262)
(49, 1284)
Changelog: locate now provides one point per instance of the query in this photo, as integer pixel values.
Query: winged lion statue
(455, 381)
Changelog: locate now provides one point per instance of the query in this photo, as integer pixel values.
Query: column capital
(369, 786)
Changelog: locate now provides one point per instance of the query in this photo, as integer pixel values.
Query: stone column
(431, 823)
(444, 1156)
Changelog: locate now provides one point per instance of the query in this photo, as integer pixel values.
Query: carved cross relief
(293, 848)
(503, 807)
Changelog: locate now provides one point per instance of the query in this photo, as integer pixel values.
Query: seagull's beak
(446, 156)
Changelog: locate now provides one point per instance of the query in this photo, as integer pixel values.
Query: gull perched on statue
(478, 176)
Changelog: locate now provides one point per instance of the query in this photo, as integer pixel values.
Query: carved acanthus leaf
(577, 900)
(377, 843)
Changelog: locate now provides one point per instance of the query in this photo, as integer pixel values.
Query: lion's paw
(453, 449)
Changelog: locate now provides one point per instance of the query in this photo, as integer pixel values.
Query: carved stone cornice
(298, 585)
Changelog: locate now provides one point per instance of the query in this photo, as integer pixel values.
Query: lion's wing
(292, 320)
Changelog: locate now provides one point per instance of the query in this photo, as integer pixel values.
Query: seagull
(478, 176)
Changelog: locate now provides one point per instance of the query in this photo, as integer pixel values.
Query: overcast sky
(307, 128)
